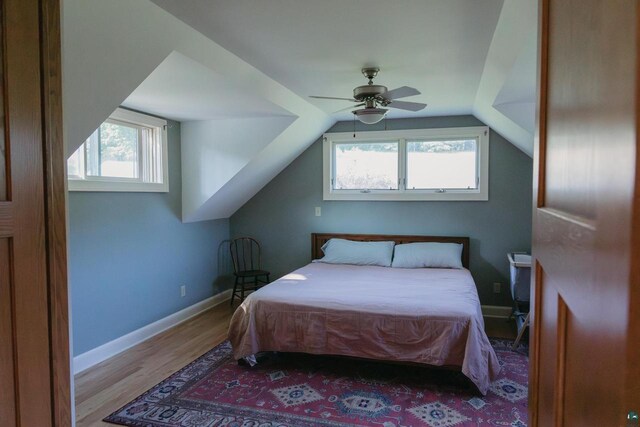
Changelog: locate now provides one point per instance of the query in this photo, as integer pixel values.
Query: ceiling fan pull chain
(354, 125)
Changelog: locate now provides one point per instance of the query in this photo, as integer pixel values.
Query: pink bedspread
(430, 316)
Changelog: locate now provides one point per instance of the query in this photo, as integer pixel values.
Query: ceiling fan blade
(350, 107)
(401, 92)
(331, 97)
(411, 106)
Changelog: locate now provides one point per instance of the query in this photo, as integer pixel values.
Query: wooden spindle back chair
(247, 268)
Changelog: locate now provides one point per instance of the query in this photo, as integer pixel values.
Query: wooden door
(584, 345)
(34, 356)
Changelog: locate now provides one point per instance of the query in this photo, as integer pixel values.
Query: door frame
(539, 151)
(55, 210)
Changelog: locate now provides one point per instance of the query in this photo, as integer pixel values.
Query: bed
(428, 316)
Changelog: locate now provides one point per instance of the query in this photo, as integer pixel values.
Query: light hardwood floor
(109, 385)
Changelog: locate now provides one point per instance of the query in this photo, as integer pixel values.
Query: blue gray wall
(129, 253)
(282, 215)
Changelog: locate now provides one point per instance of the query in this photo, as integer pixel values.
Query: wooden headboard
(319, 239)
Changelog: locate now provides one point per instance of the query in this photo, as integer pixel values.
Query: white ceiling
(183, 89)
(319, 47)
(516, 99)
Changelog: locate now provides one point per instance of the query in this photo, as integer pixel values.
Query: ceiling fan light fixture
(370, 116)
(372, 96)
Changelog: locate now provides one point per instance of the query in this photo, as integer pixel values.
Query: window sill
(114, 186)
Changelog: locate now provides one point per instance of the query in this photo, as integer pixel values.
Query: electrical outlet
(183, 290)
(318, 211)
(496, 288)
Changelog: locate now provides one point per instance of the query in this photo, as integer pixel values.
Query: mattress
(429, 316)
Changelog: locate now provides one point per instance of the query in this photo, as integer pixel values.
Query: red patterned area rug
(307, 391)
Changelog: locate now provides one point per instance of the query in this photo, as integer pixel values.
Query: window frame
(480, 133)
(122, 184)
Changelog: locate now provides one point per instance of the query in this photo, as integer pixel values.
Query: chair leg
(235, 289)
(521, 332)
(242, 290)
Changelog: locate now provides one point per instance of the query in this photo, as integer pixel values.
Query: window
(361, 166)
(128, 152)
(445, 164)
(427, 164)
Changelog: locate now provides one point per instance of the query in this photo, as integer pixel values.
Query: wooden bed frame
(319, 239)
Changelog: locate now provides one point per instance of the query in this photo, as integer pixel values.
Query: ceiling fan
(372, 97)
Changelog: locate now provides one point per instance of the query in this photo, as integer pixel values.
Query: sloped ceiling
(465, 56)
(506, 96)
(238, 73)
(183, 89)
(110, 48)
(319, 47)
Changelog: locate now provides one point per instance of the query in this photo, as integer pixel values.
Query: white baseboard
(496, 311)
(92, 357)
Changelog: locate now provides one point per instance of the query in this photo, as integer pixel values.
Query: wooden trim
(561, 363)
(8, 384)
(5, 168)
(319, 239)
(534, 341)
(6, 219)
(540, 147)
(632, 391)
(539, 161)
(55, 205)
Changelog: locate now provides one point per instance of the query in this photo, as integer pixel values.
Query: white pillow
(341, 251)
(434, 255)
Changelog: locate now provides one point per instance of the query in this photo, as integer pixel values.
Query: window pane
(151, 156)
(74, 164)
(441, 164)
(372, 165)
(114, 152)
